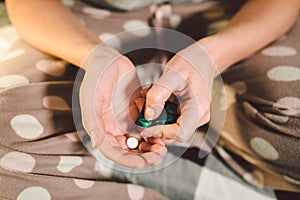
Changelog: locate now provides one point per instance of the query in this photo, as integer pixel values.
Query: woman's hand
(107, 97)
(189, 75)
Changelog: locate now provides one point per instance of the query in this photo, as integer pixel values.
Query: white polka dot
(137, 27)
(135, 192)
(217, 26)
(83, 184)
(67, 163)
(288, 105)
(284, 73)
(34, 193)
(174, 20)
(18, 161)
(12, 54)
(277, 118)
(55, 103)
(68, 3)
(26, 126)
(279, 51)
(152, 8)
(240, 87)
(12, 80)
(166, 10)
(103, 170)
(8, 36)
(264, 148)
(96, 12)
(52, 67)
(110, 40)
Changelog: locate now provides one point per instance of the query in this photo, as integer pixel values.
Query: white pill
(132, 142)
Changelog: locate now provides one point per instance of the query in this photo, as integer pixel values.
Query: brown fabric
(40, 150)
(262, 123)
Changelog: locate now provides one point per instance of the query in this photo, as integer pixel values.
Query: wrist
(217, 50)
(82, 52)
(98, 52)
(201, 62)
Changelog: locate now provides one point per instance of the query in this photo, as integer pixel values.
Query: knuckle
(153, 98)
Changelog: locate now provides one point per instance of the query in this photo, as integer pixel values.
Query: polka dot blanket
(256, 157)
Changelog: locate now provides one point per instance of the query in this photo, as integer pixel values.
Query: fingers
(121, 156)
(148, 155)
(168, 141)
(160, 149)
(98, 90)
(160, 92)
(188, 123)
(167, 131)
(154, 140)
(110, 125)
(150, 144)
(121, 141)
(140, 102)
(185, 126)
(123, 105)
(134, 108)
(156, 98)
(90, 112)
(94, 126)
(152, 158)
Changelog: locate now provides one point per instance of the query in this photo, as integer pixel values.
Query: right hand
(189, 75)
(108, 109)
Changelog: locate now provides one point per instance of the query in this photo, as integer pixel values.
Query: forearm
(51, 27)
(257, 24)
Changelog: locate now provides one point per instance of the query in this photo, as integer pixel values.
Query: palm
(115, 113)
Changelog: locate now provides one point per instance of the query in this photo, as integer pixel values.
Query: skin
(258, 23)
(53, 29)
(60, 34)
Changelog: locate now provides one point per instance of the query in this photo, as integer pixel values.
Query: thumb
(155, 101)
(160, 92)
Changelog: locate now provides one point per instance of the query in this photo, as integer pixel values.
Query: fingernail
(149, 114)
(145, 134)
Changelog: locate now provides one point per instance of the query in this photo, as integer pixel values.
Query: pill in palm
(132, 142)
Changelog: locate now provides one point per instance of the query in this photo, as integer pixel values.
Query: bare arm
(257, 24)
(51, 27)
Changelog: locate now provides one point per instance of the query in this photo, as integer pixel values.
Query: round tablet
(132, 142)
(170, 119)
(144, 122)
(171, 108)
